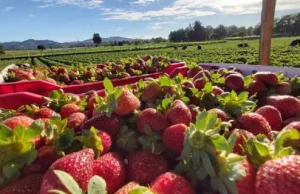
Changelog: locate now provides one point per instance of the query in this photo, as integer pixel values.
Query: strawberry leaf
(68, 181)
(108, 85)
(5, 132)
(97, 185)
(140, 190)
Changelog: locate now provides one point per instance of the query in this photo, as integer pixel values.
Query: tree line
(288, 25)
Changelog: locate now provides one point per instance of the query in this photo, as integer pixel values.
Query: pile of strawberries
(210, 132)
(78, 74)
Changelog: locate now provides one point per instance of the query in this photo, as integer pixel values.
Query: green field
(212, 52)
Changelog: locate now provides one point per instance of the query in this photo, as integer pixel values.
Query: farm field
(212, 52)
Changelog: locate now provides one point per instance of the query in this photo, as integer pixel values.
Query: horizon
(77, 20)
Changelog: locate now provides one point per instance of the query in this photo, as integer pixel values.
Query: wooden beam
(267, 22)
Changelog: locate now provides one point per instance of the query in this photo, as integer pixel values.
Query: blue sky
(70, 20)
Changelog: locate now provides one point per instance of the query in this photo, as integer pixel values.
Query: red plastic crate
(15, 100)
(43, 87)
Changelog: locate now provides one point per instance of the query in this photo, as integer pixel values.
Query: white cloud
(159, 25)
(81, 3)
(187, 9)
(145, 37)
(31, 15)
(143, 2)
(7, 9)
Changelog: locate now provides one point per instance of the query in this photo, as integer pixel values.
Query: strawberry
(255, 123)
(127, 188)
(173, 138)
(22, 75)
(75, 120)
(76, 82)
(154, 119)
(217, 90)
(127, 103)
(234, 82)
(201, 74)
(151, 91)
(272, 115)
(193, 71)
(288, 106)
(293, 125)
(28, 185)
(144, 167)
(179, 113)
(291, 120)
(246, 185)
(221, 114)
(241, 138)
(267, 78)
(62, 70)
(279, 176)
(78, 164)
(46, 113)
(46, 155)
(69, 109)
(15, 121)
(256, 86)
(283, 88)
(112, 169)
(124, 75)
(169, 182)
(105, 140)
(50, 80)
(200, 83)
(188, 85)
(110, 125)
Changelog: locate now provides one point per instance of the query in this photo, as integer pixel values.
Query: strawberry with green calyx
(261, 149)
(96, 185)
(173, 138)
(151, 91)
(208, 154)
(16, 121)
(5, 113)
(57, 99)
(17, 148)
(179, 113)
(46, 113)
(151, 141)
(91, 139)
(131, 188)
(127, 139)
(235, 104)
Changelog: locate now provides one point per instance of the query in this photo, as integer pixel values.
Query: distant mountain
(32, 44)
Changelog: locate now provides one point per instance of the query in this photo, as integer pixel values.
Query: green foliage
(2, 50)
(41, 47)
(97, 39)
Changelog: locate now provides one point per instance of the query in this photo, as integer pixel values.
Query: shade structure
(267, 22)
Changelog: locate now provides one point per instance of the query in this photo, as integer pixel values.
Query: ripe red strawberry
(151, 91)
(69, 109)
(171, 183)
(217, 90)
(193, 71)
(62, 70)
(46, 155)
(75, 120)
(200, 83)
(288, 106)
(50, 80)
(279, 176)
(154, 119)
(78, 164)
(234, 82)
(224, 116)
(255, 123)
(110, 125)
(293, 125)
(124, 75)
(127, 188)
(76, 82)
(23, 75)
(173, 138)
(241, 138)
(144, 167)
(15, 121)
(179, 113)
(202, 73)
(105, 140)
(283, 88)
(267, 78)
(28, 185)
(246, 185)
(256, 86)
(272, 115)
(127, 103)
(188, 85)
(46, 113)
(291, 120)
(112, 169)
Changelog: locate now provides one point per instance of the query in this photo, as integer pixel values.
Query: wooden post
(266, 32)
